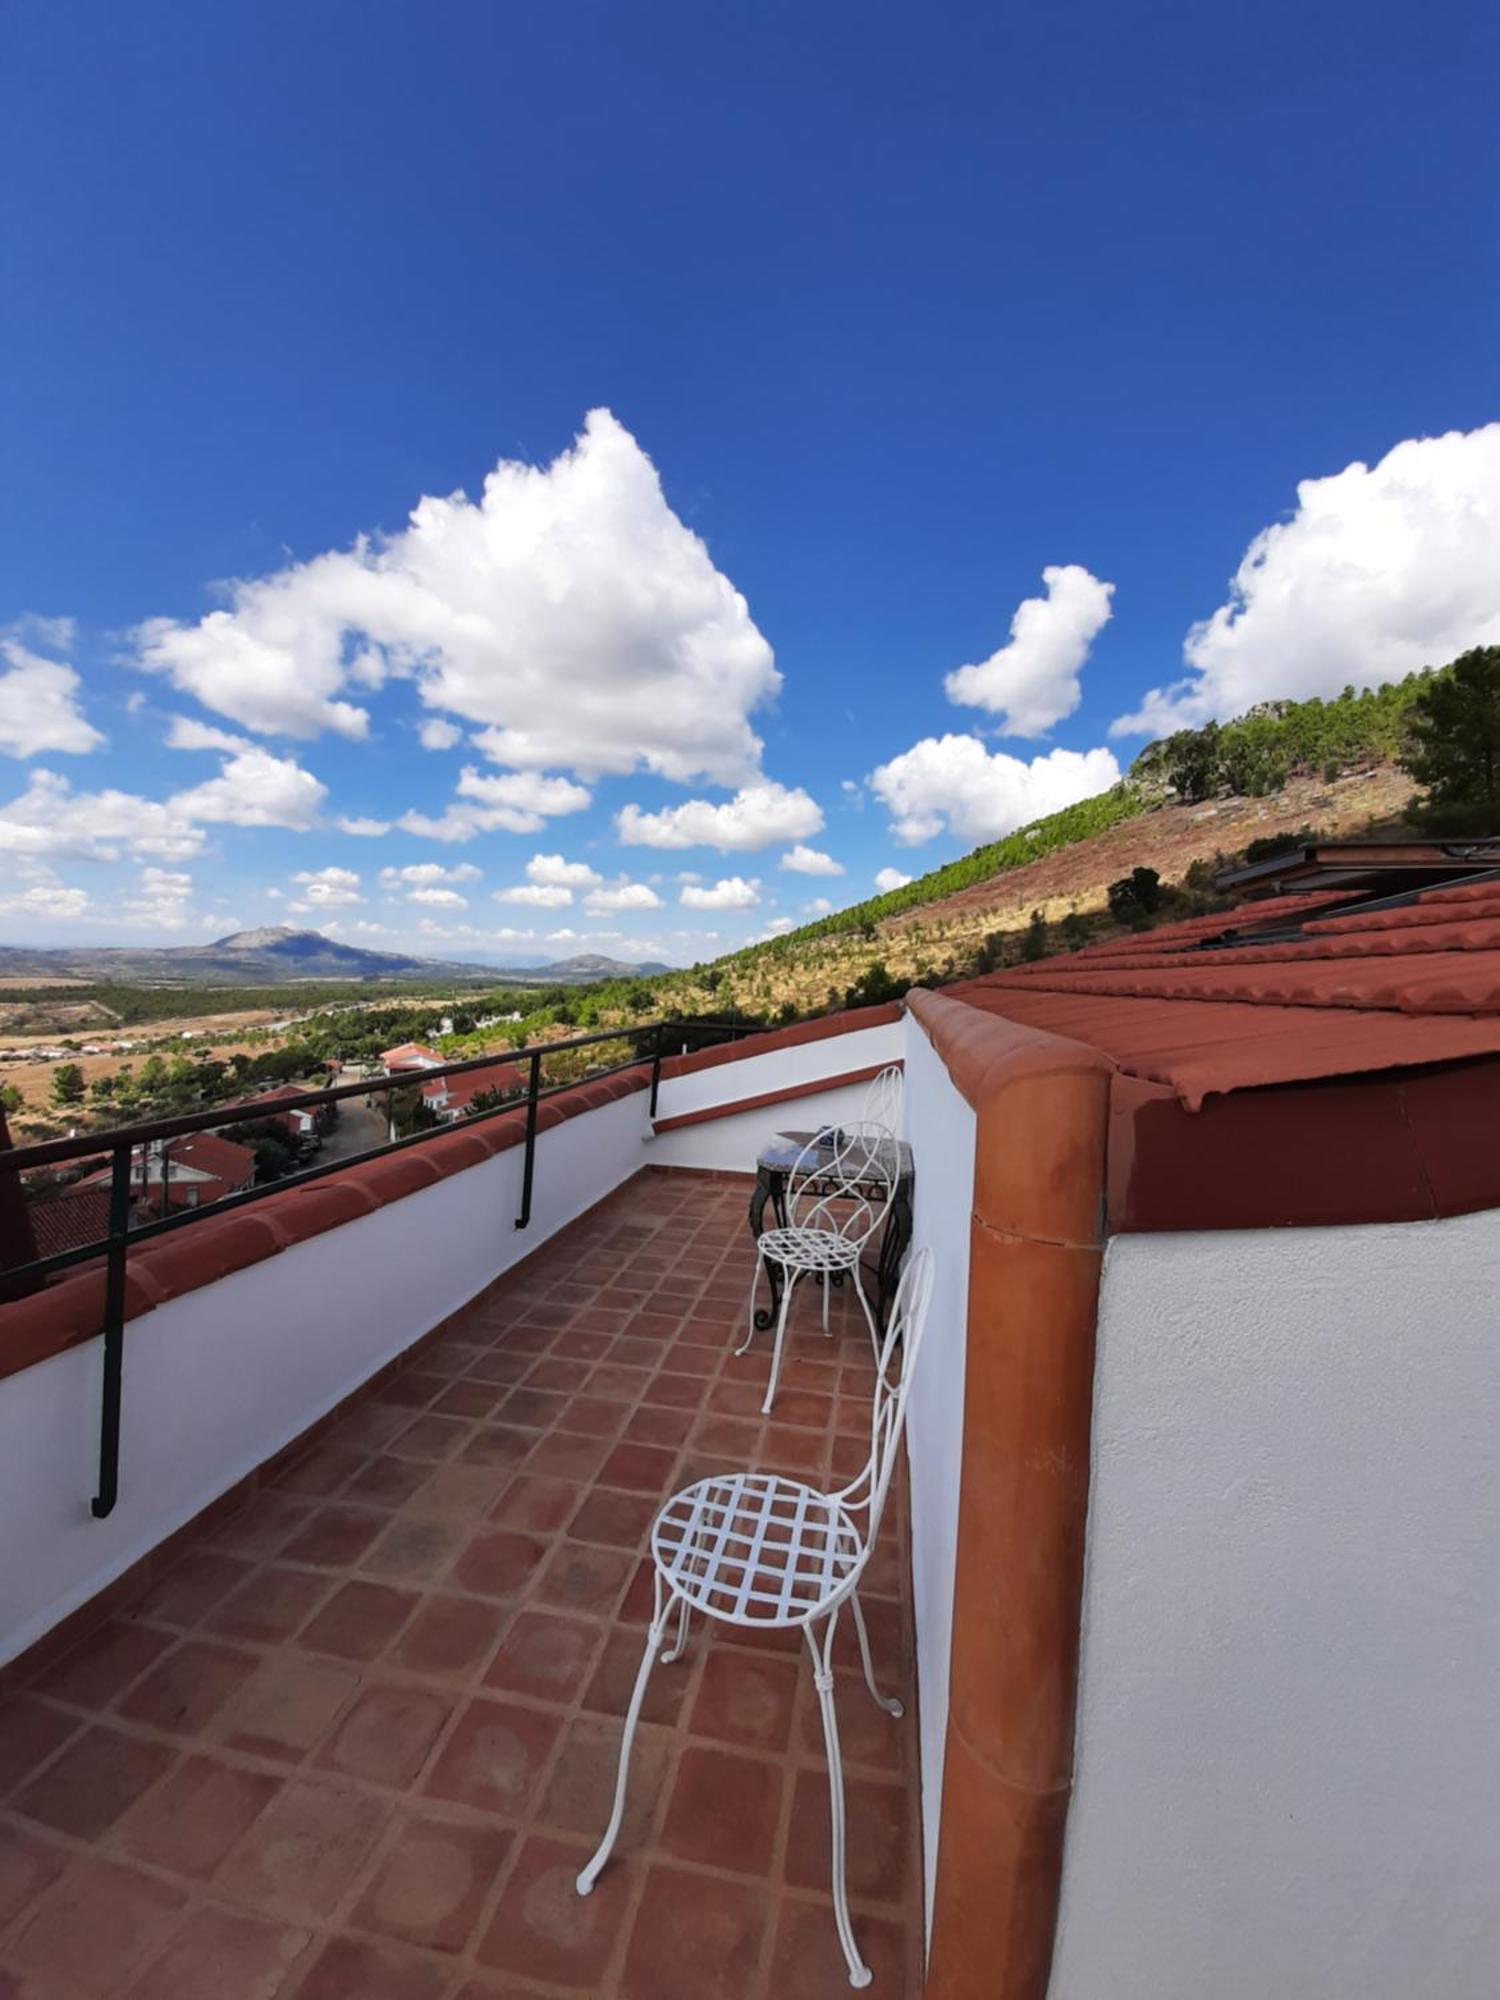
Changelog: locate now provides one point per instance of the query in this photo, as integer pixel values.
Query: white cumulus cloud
(979, 794)
(507, 802)
(1382, 569)
(564, 874)
(809, 861)
(443, 899)
(1033, 681)
(39, 706)
(185, 732)
(423, 874)
(733, 893)
(538, 895)
(622, 896)
(256, 789)
(567, 611)
(363, 828)
(890, 878)
(51, 820)
(325, 889)
(757, 816)
(436, 734)
(162, 900)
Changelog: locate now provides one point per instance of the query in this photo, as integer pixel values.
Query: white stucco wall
(1288, 1760)
(940, 1126)
(730, 1144)
(219, 1380)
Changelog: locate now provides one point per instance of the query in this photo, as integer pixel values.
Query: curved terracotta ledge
(64, 1314)
(1036, 1239)
(814, 1087)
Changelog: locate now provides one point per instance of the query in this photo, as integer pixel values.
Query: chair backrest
(882, 1104)
(893, 1376)
(845, 1187)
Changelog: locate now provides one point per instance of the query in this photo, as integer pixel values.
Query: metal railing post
(528, 1164)
(114, 1332)
(655, 1065)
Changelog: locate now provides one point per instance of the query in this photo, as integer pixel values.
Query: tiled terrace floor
(356, 1742)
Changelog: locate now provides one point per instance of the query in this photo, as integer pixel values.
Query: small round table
(773, 1168)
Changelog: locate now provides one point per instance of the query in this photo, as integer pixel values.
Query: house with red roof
(451, 1096)
(190, 1171)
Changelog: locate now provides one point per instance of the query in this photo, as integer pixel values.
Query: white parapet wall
(219, 1380)
(730, 1144)
(940, 1125)
(1288, 1750)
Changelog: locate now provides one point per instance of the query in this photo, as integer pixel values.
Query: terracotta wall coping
(1041, 1107)
(813, 1087)
(847, 1023)
(71, 1311)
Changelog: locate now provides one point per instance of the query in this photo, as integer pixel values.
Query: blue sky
(1042, 346)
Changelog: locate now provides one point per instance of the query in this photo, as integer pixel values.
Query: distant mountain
(275, 956)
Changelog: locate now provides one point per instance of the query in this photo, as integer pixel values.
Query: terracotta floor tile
(651, 1423)
(449, 1636)
(538, 1506)
(431, 1437)
(192, 1586)
(879, 1832)
(543, 1929)
(476, 1400)
(746, 1698)
(431, 1885)
(459, 1492)
(335, 1537)
(619, 1520)
(270, 1607)
(579, 1577)
(580, 1792)
(387, 1734)
(497, 1562)
(867, 1735)
(359, 1620)
(498, 1445)
(594, 1416)
(85, 1790)
(723, 1810)
(609, 1689)
(28, 1864)
(546, 1656)
(564, 1455)
(416, 1548)
(107, 1662)
(678, 1392)
(640, 1468)
(261, 1527)
(189, 1822)
(347, 1969)
(320, 1473)
(186, 1689)
(222, 1954)
(807, 1961)
(30, 1732)
(495, 1757)
(304, 1850)
(612, 1379)
(288, 1706)
(734, 1440)
(387, 1482)
(91, 1929)
(563, 1377)
(533, 1409)
(697, 1938)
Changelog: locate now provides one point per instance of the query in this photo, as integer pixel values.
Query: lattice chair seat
(756, 1549)
(810, 1249)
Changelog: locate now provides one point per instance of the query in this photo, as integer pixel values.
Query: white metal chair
(836, 1198)
(755, 1549)
(882, 1105)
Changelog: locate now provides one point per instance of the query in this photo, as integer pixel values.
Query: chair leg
(786, 1299)
(744, 1345)
(889, 1703)
(869, 1316)
(590, 1874)
(679, 1644)
(859, 1972)
(827, 1284)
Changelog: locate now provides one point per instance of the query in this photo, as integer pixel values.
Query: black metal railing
(653, 1042)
